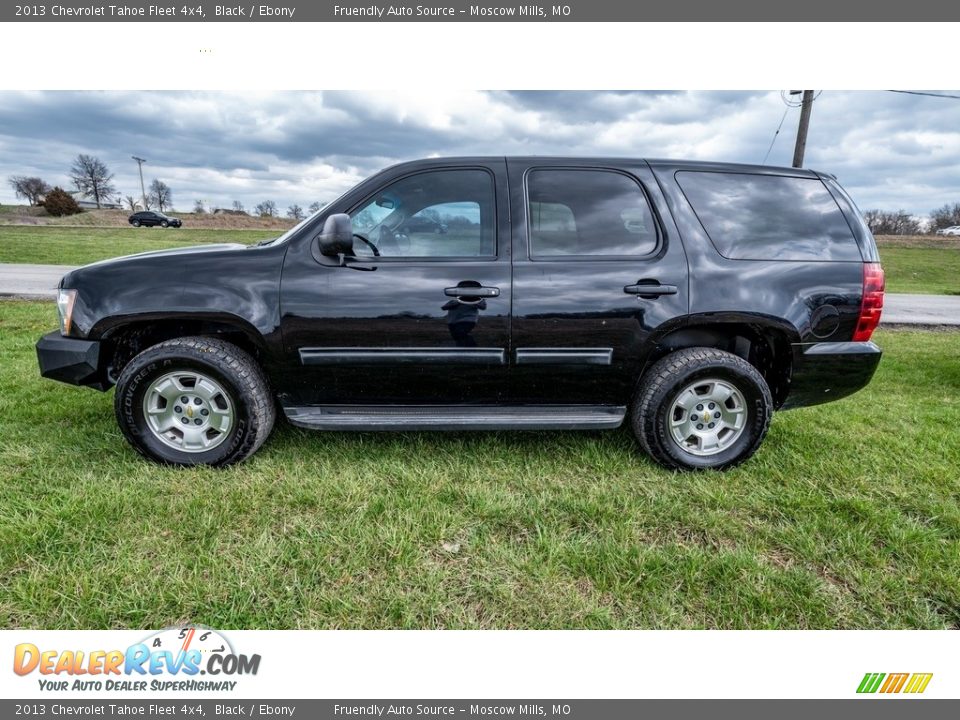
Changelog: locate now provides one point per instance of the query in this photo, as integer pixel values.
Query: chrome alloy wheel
(707, 417)
(188, 411)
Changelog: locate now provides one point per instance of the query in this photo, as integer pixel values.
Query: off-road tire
(665, 380)
(233, 368)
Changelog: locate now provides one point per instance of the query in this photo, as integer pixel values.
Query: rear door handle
(650, 291)
(472, 292)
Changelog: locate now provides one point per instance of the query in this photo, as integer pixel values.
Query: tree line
(900, 222)
(92, 179)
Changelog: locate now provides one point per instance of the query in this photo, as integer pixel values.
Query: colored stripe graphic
(918, 682)
(870, 682)
(894, 683)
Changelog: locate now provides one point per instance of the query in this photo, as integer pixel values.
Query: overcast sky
(889, 150)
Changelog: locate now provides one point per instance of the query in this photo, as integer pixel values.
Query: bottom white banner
(205, 663)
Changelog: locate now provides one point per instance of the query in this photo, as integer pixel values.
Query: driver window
(441, 213)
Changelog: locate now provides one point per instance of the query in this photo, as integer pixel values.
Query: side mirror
(337, 236)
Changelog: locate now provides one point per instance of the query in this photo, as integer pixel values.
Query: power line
(926, 94)
(775, 135)
(805, 104)
(795, 103)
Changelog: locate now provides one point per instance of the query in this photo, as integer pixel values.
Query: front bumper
(828, 371)
(72, 360)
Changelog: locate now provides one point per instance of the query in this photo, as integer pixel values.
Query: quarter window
(442, 213)
(769, 217)
(588, 212)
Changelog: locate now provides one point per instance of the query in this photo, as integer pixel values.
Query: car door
(421, 313)
(597, 268)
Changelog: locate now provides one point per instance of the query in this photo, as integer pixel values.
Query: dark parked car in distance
(689, 300)
(420, 225)
(152, 218)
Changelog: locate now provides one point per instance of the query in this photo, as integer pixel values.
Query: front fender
(236, 285)
(252, 310)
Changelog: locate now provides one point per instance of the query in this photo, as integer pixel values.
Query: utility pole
(143, 190)
(801, 146)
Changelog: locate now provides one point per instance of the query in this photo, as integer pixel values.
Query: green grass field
(50, 245)
(922, 270)
(910, 268)
(848, 517)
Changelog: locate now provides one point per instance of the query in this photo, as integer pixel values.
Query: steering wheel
(376, 252)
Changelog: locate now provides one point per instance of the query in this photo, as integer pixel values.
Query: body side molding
(564, 356)
(407, 355)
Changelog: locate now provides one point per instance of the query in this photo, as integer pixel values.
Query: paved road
(40, 281)
(920, 309)
(30, 281)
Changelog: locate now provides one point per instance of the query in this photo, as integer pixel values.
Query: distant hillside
(937, 242)
(25, 215)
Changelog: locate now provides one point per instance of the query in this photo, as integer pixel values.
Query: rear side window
(588, 212)
(769, 217)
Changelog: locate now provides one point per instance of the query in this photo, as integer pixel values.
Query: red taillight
(872, 304)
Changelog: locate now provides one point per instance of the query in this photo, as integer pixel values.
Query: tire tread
(666, 373)
(252, 385)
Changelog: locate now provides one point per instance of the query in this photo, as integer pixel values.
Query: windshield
(289, 233)
(292, 231)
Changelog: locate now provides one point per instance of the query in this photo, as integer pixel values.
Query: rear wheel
(701, 408)
(194, 401)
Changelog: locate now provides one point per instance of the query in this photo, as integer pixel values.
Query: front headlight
(65, 303)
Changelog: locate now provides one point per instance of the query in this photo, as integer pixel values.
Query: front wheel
(136, 223)
(164, 224)
(701, 408)
(194, 401)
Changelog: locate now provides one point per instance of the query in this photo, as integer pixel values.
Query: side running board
(427, 417)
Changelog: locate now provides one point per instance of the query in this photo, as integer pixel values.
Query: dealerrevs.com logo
(910, 683)
(190, 658)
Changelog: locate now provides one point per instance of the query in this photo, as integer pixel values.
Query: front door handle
(484, 292)
(650, 290)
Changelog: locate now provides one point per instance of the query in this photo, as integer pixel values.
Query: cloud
(890, 150)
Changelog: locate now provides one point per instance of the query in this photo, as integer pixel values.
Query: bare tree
(198, 207)
(238, 206)
(944, 216)
(884, 222)
(31, 189)
(268, 208)
(133, 204)
(295, 212)
(315, 206)
(160, 195)
(92, 178)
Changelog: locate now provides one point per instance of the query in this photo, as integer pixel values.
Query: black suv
(688, 299)
(150, 218)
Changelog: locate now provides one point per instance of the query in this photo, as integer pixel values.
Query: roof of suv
(615, 161)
